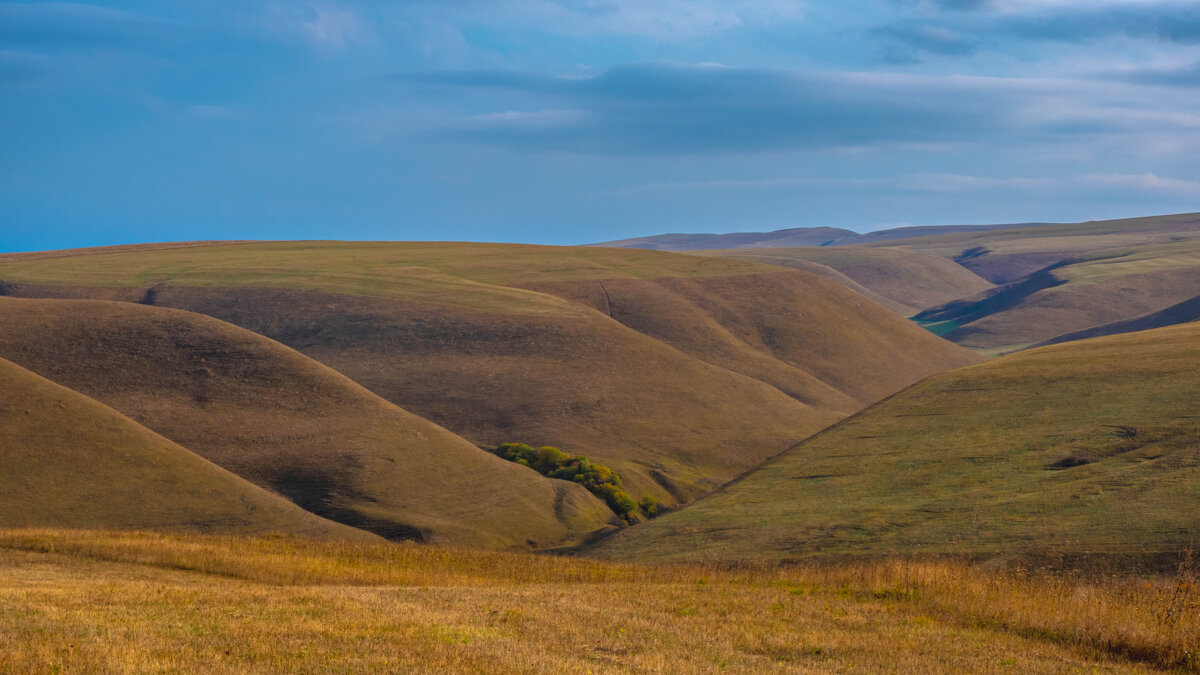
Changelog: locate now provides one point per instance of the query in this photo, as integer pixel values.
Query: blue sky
(573, 121)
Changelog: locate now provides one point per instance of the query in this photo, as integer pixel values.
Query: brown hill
(1008, 254)
(1083, 452)
(680, 371)
(69, 461)
(1109, 286)
(906, 281)
(287, 423)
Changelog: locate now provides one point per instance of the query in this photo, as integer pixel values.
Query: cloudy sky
(572, 121)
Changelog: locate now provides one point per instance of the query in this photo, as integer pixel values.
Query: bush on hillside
(598, 479)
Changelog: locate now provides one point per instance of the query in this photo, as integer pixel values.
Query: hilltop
(70, 461)
(293, 426)
(791, 237)
(1078, 451)
(906, 281)
(681, 372)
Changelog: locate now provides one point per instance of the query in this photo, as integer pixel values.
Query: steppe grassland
(137, 602)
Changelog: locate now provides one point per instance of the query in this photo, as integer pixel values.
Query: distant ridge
(796, 236)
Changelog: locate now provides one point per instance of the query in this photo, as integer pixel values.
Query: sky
(576, 121)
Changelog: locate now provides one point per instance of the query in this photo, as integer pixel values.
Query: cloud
(77, 25)
(661, 20)
(675, 109)
(920, 183)
(960, 31)
(19, 66)
(331, 26)
(924, 39)
(1146, 182)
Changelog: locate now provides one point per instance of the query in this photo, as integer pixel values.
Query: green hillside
(1084, 450)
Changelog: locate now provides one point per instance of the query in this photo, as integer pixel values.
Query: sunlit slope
(291, 425)
(1088, 448)
(681, 371)
(1008, 254)
(1087, 291)
(906, 280)
(69, 461)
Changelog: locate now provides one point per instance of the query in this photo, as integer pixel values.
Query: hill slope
(906, 281)
(289, 424)
(1084, 448)
(69, 461)
(680, 371)
(1007, 254)
(1108, 286)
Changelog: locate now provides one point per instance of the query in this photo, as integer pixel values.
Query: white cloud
(1146, 182)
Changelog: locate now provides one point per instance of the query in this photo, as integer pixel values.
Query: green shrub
(599, 480)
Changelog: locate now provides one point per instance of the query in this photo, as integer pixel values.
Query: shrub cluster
(600, 480)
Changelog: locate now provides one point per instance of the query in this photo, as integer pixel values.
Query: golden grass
(135, 602)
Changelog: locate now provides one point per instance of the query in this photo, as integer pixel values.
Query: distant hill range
(796, 236)
(997, 288)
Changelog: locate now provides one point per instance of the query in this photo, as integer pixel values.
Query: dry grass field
(1083, 453)
(132, 602)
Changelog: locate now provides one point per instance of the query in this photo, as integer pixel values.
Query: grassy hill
(905, 281)
(69, 461)
(1054, 280)
(679, 371)
(1084, 450)
(1007, 254)
(291, 425)
(1088, 290)
(133, 603)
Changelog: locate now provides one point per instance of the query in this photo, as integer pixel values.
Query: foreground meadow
(132, 602)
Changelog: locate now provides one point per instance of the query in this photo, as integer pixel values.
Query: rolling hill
(905, 281)
(1053, 280)
(791, 237)
(1080, 451)
(797, 236)
(1007, 254)
(679, 371)
(69, 461)
(1090, 289)
(291, 425)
